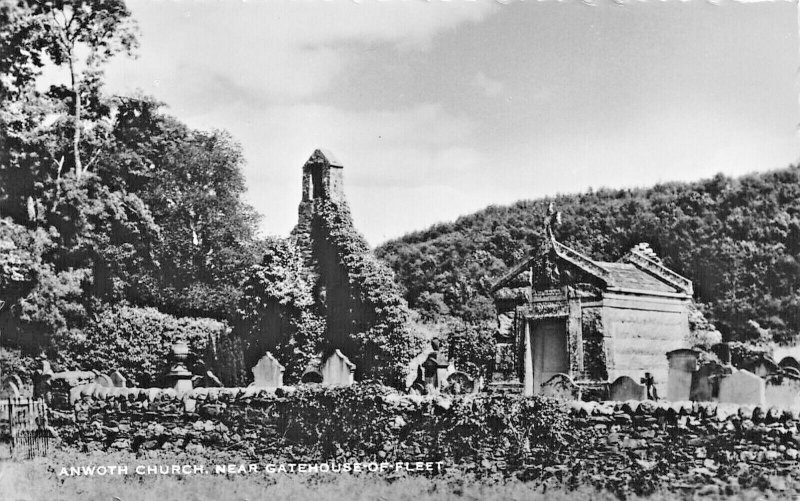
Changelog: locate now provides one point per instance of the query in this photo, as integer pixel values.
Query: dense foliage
(321, 290)
(377, 314)
(277, 313)
(737, 239)
(368, 421)
(105, 199)
(144, 337)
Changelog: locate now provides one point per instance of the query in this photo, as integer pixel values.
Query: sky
(440, 108)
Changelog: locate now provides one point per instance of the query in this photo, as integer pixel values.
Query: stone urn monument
(179, 377)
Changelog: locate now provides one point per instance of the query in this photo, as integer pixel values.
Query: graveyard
(596, 386)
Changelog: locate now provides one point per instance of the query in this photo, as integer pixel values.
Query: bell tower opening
(322, 177)
(316, 182)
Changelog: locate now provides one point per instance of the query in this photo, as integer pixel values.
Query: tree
(83, 35)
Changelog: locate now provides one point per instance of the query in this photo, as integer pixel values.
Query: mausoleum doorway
(549, 350)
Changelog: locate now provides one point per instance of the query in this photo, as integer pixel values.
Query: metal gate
(25, 420)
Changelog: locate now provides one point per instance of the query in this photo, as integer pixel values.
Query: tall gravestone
(742, 387)
(682, 365)
(625, 388)
(268, 372)
(338, 370)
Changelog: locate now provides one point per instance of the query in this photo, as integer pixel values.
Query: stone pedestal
(179, 377)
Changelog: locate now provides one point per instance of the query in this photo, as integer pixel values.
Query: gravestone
(562, 387)
(762, 366)
(742, 387)
(782, 391)
(119, 380)
(789, 362)
(103, 380)
(311, 376)
(9, 390)
(682, 364)
(338, 370)
(460, 383)
(414, 368)
(436, 367)
(212, 381)
(705, 382)
(268, 372)
(625, 388)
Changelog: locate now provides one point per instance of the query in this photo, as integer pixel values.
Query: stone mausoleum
(561, 312)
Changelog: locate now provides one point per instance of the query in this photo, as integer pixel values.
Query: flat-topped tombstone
(782, 391)
(268, 372)
(118, 380)
(682, 364)
(562, 387)
(705, 382)
(742, 387)
(338, 370)
(460, 383)
(625, 388)
(103, 380)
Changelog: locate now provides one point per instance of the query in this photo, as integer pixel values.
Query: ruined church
(563, 313)
(344, 299)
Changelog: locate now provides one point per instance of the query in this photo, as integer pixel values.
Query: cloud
(272, 51)
(417, 149)
(490, 87)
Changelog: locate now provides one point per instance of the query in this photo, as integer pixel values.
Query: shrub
(138, 343)
(365, 421)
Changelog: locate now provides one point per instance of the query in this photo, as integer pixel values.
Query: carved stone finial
(552, 219)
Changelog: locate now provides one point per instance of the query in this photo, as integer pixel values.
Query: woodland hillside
(738, 239)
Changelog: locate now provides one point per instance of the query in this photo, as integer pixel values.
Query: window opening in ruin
(316, 182)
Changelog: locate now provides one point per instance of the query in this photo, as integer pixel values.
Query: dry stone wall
(625, 446)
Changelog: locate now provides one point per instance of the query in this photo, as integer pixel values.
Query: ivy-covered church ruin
(319, 291)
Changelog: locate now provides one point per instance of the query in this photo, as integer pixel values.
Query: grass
(38, 479)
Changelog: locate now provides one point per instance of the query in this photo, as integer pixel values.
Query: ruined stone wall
(344, 312)
(639, 331)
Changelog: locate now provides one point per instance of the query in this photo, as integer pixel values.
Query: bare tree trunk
(76, 134)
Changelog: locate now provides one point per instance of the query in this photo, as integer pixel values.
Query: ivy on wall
(321, 290)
